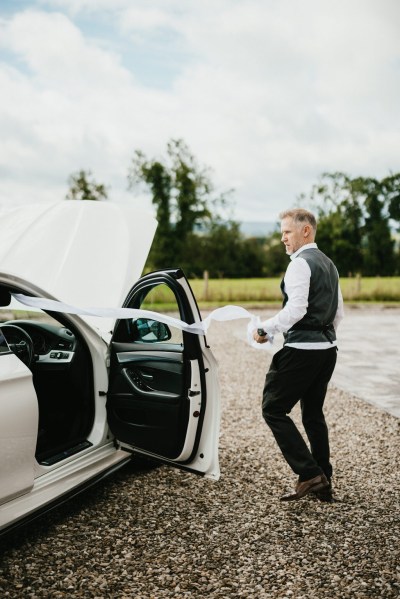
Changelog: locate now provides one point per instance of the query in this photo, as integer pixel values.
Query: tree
(275, 258)
(378, 251)
(390, 189)
(228, 254)
(183, 195)
(339, 221)
(82, 188)
(354, 221)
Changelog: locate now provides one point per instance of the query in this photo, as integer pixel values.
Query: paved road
(369, 356)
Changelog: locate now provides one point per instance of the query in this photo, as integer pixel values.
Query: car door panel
(146, 396)
(158, 393)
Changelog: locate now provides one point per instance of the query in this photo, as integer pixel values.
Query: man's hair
(300, 216)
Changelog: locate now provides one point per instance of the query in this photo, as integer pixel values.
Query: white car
(80, 395)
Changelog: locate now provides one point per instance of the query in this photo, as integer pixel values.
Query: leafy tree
(182, 193)
(390, 190)
(354, 221)
(339, 221)
(223, 251)
(397, 261)
(82, 188)
(275, 258)
(255, 258)
(378, 245)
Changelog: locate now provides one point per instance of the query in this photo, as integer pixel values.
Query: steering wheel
(19, 342)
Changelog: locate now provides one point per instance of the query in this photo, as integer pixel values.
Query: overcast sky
(268, 93)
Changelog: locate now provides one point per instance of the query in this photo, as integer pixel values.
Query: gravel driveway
(164, 533)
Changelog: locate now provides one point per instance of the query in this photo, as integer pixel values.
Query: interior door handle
(148, 377)
(148, 393)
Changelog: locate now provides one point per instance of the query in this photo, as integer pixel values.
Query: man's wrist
(261, 332)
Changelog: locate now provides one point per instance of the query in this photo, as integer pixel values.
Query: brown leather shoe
(325, 494)
(318, 483)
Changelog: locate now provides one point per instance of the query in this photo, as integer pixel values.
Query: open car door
(163, 397)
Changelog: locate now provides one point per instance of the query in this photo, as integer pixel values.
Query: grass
(261, 292)
(237, 291)
(267, 291)
(371, 289)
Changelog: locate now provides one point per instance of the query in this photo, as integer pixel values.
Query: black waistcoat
(317, 324)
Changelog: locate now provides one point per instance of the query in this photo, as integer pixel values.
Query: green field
(267, 291)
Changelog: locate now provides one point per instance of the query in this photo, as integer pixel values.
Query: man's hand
(260, 338)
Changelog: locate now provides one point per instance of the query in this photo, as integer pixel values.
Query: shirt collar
(307, 246)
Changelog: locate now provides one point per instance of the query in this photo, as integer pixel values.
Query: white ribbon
(222, 314)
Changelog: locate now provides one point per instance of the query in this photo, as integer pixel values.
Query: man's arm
(340, 310)
(297, 287)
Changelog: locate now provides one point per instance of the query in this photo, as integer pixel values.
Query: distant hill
(257, 229)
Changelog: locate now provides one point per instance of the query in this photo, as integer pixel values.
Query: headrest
(5, 297)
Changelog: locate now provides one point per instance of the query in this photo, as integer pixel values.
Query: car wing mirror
(147, 330)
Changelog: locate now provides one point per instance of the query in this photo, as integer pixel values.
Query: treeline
(358, 220)
(194, 231)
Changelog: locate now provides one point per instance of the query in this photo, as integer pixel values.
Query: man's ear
(306, 230)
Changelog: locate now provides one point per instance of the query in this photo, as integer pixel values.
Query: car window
(159, 298)
(17, 311)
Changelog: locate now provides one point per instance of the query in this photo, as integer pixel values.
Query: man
(301, 370)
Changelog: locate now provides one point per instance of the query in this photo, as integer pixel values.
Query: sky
(267, 93)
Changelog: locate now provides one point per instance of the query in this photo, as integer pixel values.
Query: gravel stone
(156, 533)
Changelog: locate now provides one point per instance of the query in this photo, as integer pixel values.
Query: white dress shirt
(297, 286)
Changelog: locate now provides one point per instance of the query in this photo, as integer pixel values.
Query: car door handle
(148, 377)
(146, 392)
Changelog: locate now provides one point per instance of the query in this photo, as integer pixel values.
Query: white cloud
(56, 52)
(268, 94)
(77, 109)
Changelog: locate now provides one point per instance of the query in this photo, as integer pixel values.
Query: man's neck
(306, 246)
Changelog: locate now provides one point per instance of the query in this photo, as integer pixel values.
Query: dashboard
(52, 344)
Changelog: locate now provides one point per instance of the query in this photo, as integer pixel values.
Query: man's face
(294, 236)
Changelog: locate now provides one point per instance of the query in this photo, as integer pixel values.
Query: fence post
(358, 283)
(205, 287)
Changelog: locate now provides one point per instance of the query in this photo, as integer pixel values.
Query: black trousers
(300, 375)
